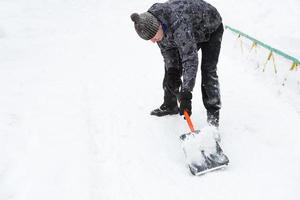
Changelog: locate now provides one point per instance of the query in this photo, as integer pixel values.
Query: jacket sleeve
(188, 51)
(171, 58)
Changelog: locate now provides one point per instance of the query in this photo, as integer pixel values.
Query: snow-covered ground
(77, 86)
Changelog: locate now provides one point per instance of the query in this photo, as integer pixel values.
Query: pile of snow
(197, 142)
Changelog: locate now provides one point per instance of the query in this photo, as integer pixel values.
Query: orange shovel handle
(189, 121)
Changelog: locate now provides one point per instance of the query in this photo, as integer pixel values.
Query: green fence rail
(295, 61)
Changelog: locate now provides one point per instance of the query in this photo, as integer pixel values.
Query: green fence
(295, 61)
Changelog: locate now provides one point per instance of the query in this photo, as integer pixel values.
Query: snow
(197, 142)
(77, 86)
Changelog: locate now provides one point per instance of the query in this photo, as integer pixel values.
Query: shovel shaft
(189, 121)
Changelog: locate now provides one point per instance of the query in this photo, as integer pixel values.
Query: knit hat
(146, 25)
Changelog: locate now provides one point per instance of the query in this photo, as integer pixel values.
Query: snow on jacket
(185, 23)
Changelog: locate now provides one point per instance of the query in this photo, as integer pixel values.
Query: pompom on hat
(146, 25)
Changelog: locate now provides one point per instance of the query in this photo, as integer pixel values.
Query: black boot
(213, 118)
(165, 110)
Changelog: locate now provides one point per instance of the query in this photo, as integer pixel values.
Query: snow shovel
(203, 153)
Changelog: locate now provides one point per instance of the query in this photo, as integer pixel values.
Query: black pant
(209, 84)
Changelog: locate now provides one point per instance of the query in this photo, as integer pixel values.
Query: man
(181, 28)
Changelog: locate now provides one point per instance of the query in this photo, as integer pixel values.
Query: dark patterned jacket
(185, 23)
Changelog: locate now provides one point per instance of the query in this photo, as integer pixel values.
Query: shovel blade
(202, 158)
(186, 136)
(211, 162)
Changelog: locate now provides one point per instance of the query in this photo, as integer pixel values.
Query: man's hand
(185, 103)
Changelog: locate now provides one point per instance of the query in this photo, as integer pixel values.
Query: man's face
(159, 35)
